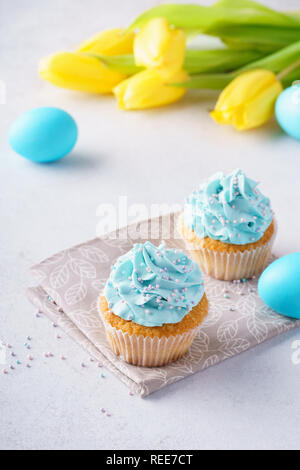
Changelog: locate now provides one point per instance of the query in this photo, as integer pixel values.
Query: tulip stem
(122, 63)
(288, 70)
(196, 61)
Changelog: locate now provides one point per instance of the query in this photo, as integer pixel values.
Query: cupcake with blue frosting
(153, 304)
(228, 226)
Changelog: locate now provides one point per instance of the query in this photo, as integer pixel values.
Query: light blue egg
(287, 111)
(279, 285)
(43, 134)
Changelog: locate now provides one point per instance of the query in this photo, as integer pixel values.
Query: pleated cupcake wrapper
(147, 351)
(232, 266)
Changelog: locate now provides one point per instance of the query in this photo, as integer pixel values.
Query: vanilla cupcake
(153, 304)
(228, 227)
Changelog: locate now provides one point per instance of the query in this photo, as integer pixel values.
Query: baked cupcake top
(152, 285)
(228, 208)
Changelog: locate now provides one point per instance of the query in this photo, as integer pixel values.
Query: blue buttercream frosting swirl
(229, 208)
(153, 286)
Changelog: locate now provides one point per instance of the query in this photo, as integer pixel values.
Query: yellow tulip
(79, 72)
(109, 42)
(147, 89)
(248, 101)
(160, 47)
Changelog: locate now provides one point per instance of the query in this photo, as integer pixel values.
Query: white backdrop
(157, 156)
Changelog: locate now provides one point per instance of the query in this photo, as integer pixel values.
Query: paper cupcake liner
(146, 351)
(232, 266)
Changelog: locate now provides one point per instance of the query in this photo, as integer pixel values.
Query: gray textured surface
(249, 401)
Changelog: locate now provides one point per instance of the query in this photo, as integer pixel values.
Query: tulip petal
(79, 72)
(245, 87)
(248, 101)
(109, 42)
(147, 90)
(160, 47)
(261, 109)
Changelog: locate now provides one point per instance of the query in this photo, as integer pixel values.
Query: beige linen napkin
(69, 284)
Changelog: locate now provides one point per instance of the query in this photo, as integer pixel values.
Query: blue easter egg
(279, 285)
(43, 134)
(287, 111)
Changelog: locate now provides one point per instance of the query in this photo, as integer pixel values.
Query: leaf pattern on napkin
(94, 254)
(59, 277)
(83, 268)
(236, 346)
(227, 331)
(257, 328)
(75, 294)
(211, 361)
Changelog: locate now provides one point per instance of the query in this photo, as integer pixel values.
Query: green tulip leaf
(244, 21)
(218, 60)
(121, 63)
(193, 17)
